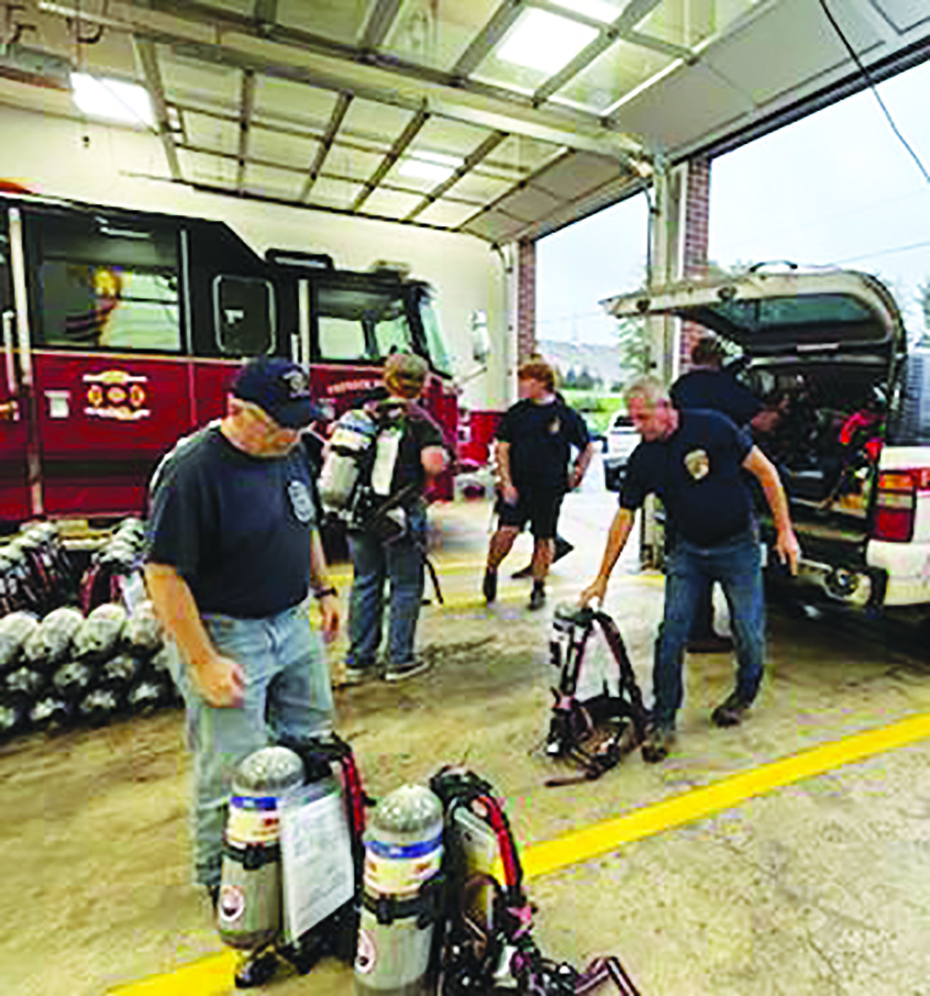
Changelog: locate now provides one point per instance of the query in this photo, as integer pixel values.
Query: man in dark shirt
(421, 455)
(534, 441)
(693, 461)
(232, 553)
(708, 387)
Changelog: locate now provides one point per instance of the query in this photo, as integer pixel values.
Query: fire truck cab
(122, 329)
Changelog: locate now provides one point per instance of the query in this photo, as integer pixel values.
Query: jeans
(374, 562)
(287, 693)
(737, 565)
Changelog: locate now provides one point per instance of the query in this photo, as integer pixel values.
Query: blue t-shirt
(541, 437)
(696, 473)
(235, 527)
(717, 391)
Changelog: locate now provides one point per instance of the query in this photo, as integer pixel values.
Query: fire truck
(122, 331)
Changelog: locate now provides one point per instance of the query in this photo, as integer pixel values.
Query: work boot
(730, 712)
(537, 596)
(658, 742)
(489, 587)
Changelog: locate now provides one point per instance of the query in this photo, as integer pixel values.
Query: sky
(835, 188)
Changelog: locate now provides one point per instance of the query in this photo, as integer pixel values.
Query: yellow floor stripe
(583, 845)
(213, 975)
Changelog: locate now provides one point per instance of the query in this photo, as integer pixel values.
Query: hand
(575, 478)
(788, 550)
(510, 494)
(329, 613)
(220, 681)
(597, 589)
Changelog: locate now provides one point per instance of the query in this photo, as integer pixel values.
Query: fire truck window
(244, 315)
(435, 342)
(361, 323)
(102, 287)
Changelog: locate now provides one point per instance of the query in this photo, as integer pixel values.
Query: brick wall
(526, 299)
(697, 213)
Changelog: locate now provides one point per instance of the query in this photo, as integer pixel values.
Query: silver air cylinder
(249, 906)
(403, 855)
(351, 437)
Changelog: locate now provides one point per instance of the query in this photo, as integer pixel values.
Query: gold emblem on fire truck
(116, 394)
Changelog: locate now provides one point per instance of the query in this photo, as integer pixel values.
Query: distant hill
(601, 362)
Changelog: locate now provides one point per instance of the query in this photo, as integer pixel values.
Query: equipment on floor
(595, 733)
(402, 897)
(292, 858)
(488, 945)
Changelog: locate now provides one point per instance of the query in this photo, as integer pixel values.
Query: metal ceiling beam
(266, 15)
(380, 18)
(460, 99)
(326, 143)
(414, 126)
(148, 59)
(246, 104)
(471, 160)
(395, 188)
(501, 22)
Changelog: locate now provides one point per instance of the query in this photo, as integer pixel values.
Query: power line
(883, 252)
(867, 77)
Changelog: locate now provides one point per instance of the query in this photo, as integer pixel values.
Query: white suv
(828, 347)
(622, 439)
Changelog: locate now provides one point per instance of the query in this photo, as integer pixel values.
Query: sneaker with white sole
(400, 672)
(359, 675)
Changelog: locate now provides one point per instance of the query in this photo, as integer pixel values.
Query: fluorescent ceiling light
(598, 10)
(440, 158)
(112, 100)
(544, 41)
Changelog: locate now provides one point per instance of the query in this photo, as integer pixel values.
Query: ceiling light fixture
(423, 170)
(543, 41)
(112, 100)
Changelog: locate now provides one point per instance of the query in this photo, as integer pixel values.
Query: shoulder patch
(301, 502)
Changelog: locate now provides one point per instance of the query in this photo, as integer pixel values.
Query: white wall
(88, 162)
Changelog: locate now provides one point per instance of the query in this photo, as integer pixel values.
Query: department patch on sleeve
(697, 464)
(301, 502)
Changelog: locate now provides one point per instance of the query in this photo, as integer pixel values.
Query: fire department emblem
(116, 394)
(697, 464)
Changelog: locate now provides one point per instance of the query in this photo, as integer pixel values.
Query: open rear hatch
(822, 346)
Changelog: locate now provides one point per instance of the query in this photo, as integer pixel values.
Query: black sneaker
(489, 587)
(256, 968)
(658, 743)
(730, 712)
(537, 597)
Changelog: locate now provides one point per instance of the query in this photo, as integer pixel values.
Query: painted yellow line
(212, 976)
(207, 977)
(591, 842)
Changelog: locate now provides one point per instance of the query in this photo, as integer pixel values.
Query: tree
(634, 353)
(924, 299)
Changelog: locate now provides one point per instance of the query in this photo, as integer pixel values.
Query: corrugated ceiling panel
(289, 101)
(450, 137)
(390, 203)
(446, 213)
(351, 163)
(273, 182)
(529, 203)
(288, 150)
(205, 82)
(495, 227)
(417, 36)
(376, 122)
(522, 154)
(473, 186)
(577, 174)
(340, 20)
(334, 193)
(211, 133)
(211, 170)
(618, 71)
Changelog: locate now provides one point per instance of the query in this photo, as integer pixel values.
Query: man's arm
(619, 533)
(502, 455)
(220, 680)
(319, 582)
(786, 544)
(581, 465)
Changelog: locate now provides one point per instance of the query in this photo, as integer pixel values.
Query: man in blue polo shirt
(693, 461)
(232, 554)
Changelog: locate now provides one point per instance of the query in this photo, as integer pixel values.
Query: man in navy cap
(232, 555)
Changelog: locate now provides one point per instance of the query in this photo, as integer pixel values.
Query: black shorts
(539, 508)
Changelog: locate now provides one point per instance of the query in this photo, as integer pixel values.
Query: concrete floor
(822, 887)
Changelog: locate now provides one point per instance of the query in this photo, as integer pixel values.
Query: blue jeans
(287, 693)
(737, 565)
(375, 562)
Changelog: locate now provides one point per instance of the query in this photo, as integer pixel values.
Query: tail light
(896, 503)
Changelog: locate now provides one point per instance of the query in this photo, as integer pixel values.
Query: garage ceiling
(504, 119)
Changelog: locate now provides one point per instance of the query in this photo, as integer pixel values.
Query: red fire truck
(122, 329)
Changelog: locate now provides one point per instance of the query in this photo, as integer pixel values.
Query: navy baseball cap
(280, 388)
